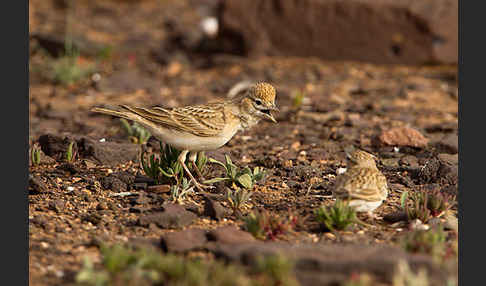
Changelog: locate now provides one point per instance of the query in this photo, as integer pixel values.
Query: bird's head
(259, 101)
(361, 158)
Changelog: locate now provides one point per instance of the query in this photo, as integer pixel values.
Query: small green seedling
(71, 152)
(35, 156)
(336, 217)
(245, 177)
(178, 193)
(418, 208)
(237, 199)
(66, 70)
(136, 133)
(439, 203)
(298, 99)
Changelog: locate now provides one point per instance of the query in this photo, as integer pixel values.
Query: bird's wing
(201, 120)
(361, 183)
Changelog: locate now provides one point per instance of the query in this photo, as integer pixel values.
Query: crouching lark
(363, 185)
(199, 128)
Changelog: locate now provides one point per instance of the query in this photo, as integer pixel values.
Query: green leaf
(215, 180)
(403, 198)
(245, 181)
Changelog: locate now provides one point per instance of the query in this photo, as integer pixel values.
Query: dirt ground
(73, 205)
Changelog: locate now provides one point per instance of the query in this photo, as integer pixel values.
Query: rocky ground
(406, 115)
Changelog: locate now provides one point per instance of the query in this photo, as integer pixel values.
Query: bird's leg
(182, 160)
(192, 159)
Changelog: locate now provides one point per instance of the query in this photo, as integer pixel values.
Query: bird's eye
(258, 102)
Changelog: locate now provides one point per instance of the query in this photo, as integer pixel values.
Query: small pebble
(102, 140)
(396, 149)
(340, 171)
(70, 188)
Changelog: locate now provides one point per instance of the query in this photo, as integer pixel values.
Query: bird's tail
(118, 113)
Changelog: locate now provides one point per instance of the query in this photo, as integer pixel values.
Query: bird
(198, 128)
(362, 185)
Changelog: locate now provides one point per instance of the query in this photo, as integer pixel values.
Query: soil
(74, 205)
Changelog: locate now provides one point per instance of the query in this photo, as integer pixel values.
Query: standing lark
(199, 128)
(363, 185)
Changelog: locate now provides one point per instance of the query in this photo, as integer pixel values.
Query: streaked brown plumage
(363, 185)
(202, 127)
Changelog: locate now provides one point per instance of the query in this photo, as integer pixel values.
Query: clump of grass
(164, 166)
(424, 206)
(339, 216)
(431, 242)
(67, 70)
(71, 152)
(236, 177)
(274, 270)
(178, 193)
(123, 265)
(237, 199)
(136, 133)
(266, 226)
(35, 156)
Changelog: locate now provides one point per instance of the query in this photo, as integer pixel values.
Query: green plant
(438, 203)
(179, 192)
(336, 217)
(298, 99)
(430, 242)
(167, 166)
(35, 155)
(66, 70)
(404, 276)
(123, 265)
(71, 152)
(136, 133)
(237, 198)
(235, 176)
(263, 225)
(418, 209)
(276, 270)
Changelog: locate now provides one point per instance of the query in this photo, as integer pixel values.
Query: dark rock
(143, 179)
(109, 153)
(69, 167)
(114, 184)
(404, 32)
(213, 209)
(139, 186)
(57, 205)
(55, 44)
(173, 216)
(93, 218)
(37, 185)
(56, 146)
(409, 160)
(321, 264)
(230, 235)
(448, 144)
(396, 216)
(182, 241)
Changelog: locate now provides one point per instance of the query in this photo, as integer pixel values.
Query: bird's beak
(270, 116)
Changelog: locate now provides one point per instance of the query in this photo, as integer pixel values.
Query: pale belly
(188, 141)
(364, 206)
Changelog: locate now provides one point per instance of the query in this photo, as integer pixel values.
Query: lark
(363, 185)
(199, 128)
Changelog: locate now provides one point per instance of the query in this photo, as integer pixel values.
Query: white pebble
(210, 26)
(340, 171)
(102, 140)
(396, 149)
(70, 188)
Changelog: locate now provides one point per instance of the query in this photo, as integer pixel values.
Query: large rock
(173, 216)
(321, 264)
(109, 153)
(379, 31)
